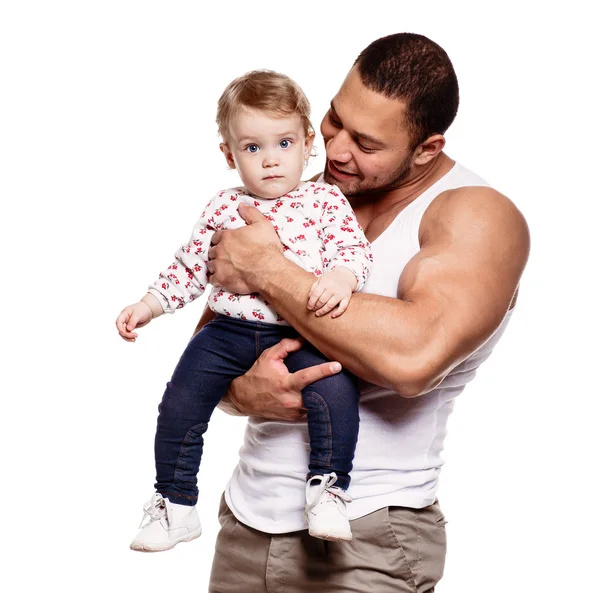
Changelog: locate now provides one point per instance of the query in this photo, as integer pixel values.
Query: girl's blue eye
(252, 148)
(285, 144)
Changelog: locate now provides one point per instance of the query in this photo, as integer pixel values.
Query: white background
(108, 151)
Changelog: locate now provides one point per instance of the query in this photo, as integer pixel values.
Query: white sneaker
(325, 510)
(165, 524)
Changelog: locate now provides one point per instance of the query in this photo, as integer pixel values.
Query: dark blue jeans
(224, 349)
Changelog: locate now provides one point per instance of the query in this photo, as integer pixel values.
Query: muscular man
(449, 252)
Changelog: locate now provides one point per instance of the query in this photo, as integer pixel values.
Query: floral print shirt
(315, 224)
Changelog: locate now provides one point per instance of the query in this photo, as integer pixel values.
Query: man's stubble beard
(355, 187)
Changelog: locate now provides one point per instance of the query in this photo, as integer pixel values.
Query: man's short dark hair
(418, 71)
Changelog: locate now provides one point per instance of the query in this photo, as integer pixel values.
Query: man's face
(368, 149)
(269, 152)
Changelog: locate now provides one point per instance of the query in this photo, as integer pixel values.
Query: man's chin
(348, 187)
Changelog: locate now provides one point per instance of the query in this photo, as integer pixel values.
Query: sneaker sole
(331, 537)
(188, 538)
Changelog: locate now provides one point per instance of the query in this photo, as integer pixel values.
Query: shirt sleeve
(344, 240)
(186, 278)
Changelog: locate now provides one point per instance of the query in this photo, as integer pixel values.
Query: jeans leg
(332, 416)
(215, 356)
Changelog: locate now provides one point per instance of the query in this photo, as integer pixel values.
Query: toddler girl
(263, 118)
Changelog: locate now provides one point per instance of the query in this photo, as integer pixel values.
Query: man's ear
(429, 149)
(228, 155)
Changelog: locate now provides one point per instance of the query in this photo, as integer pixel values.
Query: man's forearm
(452, 295)
(378, 338)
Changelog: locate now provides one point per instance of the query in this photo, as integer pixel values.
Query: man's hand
(269, 390)
(333, 289)
(236, 255)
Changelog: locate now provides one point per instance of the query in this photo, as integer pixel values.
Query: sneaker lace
(314, 494)
(156, 509)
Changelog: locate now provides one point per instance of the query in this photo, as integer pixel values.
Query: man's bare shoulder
(474, 245)
(474, 211)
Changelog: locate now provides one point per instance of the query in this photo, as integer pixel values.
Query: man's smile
(338, 173)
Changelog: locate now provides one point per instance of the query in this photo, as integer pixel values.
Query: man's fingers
(283, 348)
(290, 415)
(213, 251)
(297, 414)
(250, 214)
(300, 379)
(214, 240)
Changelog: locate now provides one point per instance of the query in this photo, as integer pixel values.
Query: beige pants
(394, 549)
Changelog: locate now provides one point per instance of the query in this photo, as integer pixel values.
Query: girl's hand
(132, 317)
(333, 289)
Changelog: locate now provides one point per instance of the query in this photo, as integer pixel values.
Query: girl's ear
(228, 155)
(308, 146)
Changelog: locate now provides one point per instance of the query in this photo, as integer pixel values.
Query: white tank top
(398, 455)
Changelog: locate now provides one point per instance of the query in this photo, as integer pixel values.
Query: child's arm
(347, 258)
(187, 277)
(333, 289)
(182, 282)
(137, 315)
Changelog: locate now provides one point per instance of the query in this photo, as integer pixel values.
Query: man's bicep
(466, 273)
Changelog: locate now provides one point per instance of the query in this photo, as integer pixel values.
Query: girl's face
(269, 152)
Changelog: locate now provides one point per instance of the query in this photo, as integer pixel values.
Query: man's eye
(285, 144)
(334, 122)
(252, 148)
(365, 148)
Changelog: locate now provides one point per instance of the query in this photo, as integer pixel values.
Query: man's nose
(337, 147)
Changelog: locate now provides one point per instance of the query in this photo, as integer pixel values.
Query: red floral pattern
(315, 224)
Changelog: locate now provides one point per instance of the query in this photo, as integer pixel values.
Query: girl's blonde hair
(263, 90)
